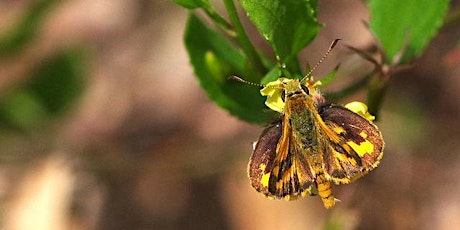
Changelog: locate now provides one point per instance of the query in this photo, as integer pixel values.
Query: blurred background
(104, 126)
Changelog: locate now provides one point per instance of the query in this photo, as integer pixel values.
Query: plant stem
(254, 59)
(377, 87)
(220, 21)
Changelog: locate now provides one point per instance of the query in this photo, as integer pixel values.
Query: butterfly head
(283, 89)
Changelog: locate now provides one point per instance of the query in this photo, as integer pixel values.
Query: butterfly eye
(305, 89)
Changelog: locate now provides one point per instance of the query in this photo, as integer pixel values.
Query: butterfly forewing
(263, 157)
(277, 167)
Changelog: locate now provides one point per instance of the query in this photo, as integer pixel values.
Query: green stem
(377, 87)
(293, 65)
(220, 21)
(255, 62)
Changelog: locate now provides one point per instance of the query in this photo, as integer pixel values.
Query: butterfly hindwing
(357, 147)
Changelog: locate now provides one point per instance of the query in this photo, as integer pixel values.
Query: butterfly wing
(277, 168)
(356, 145)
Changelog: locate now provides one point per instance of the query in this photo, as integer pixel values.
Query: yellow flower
(361, 109)
(274, 93)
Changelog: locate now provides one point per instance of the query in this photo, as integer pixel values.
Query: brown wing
(263, 157)
(356, 144)
(276, 168)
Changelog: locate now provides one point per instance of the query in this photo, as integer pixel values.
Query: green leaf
(192, 4)
(214, 59)
(288, 25)
(406, 24)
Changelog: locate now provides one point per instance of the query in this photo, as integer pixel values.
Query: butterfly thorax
(301, 112)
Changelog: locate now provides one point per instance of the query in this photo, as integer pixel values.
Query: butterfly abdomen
(324, 190)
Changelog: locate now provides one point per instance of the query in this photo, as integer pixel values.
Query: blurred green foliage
(51, 87)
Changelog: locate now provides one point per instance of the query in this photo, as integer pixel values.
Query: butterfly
(312, 145)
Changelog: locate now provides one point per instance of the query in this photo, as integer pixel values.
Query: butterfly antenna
(331, 47)
(238, 79)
